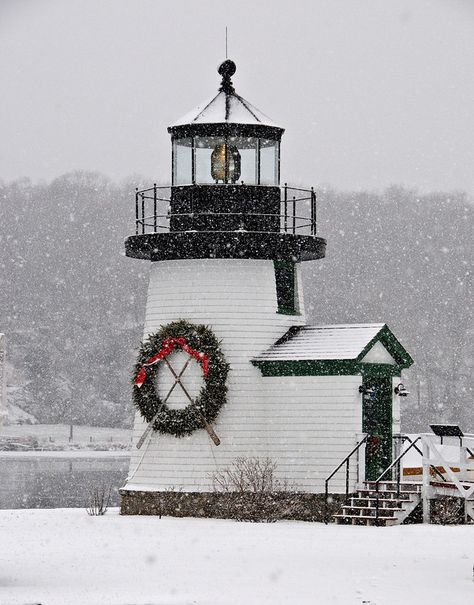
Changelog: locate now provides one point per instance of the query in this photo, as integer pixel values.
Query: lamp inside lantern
(225, 163)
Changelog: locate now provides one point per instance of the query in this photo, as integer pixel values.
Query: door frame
(377, 422)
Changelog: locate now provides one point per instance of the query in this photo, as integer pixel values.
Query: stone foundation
(244, 507)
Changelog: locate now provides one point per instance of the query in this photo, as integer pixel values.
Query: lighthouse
(228, 367)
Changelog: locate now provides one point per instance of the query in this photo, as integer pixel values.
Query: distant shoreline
(66, 454)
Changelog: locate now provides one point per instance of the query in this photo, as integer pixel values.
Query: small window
(285, 278)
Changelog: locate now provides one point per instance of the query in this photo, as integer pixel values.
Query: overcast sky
(371, 92)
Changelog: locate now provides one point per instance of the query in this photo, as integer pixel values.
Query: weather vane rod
(226, 42)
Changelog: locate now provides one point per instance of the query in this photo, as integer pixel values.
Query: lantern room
(226, 141)
(225, 198)
(209, 159)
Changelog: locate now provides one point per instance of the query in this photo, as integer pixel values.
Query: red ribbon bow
(169, 344)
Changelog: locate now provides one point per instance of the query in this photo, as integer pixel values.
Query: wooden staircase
(393, 506)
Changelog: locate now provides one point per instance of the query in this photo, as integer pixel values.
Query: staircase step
(372, 502)
(392, 486)
(387, 506)
(350, 511)
(387, 494)
(390, 490)
(365, 520)
(392, 502)
(372, 508)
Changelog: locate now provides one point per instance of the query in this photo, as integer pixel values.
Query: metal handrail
(389, 468)
(432, 466)
(150, 220)
(346, 461)
(296, 188)
(407, 438)
(377, 482)
(285, 186)
(290, 221)
(169, 215)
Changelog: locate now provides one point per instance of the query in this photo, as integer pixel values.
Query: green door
(377, 423)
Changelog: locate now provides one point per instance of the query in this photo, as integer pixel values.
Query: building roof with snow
(347, 345)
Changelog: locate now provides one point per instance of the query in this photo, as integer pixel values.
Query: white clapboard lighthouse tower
(228, 367)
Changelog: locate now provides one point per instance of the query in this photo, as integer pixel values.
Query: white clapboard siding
(307, 424)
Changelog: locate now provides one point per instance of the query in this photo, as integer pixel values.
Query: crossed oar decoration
(177, 380)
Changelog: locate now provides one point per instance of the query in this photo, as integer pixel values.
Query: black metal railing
(152, 209)
(297, 213)
(400, 457)
(303, 199)
(397, 465)
(346, 461)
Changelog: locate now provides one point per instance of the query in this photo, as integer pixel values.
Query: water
(62, 482)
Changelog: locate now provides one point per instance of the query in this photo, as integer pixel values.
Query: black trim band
(225, 129)
(225, 244)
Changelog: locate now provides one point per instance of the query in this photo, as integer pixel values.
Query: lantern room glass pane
(269, 152)
(226, 160)
(247, 147)
(204, 147)
(183, 161)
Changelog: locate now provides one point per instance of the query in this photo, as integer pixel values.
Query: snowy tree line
(405, 259)
(72, 305)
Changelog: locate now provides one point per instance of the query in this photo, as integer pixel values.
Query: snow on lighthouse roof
(337, 342)
(222, 108)
(227, 107)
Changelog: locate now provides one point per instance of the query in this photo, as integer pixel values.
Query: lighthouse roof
(358, 342)
(225, 108)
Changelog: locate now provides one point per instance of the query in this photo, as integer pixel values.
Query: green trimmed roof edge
(332, 367)
(393, 346)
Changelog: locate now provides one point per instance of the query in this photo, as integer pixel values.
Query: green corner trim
(285, 280)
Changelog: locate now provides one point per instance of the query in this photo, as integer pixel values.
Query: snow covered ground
(65, 557)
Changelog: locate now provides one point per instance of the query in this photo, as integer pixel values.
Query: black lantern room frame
(251, 154)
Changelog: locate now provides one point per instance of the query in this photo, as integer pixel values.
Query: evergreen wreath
(202, 344)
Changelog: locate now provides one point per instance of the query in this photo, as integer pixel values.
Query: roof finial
(227, 70)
